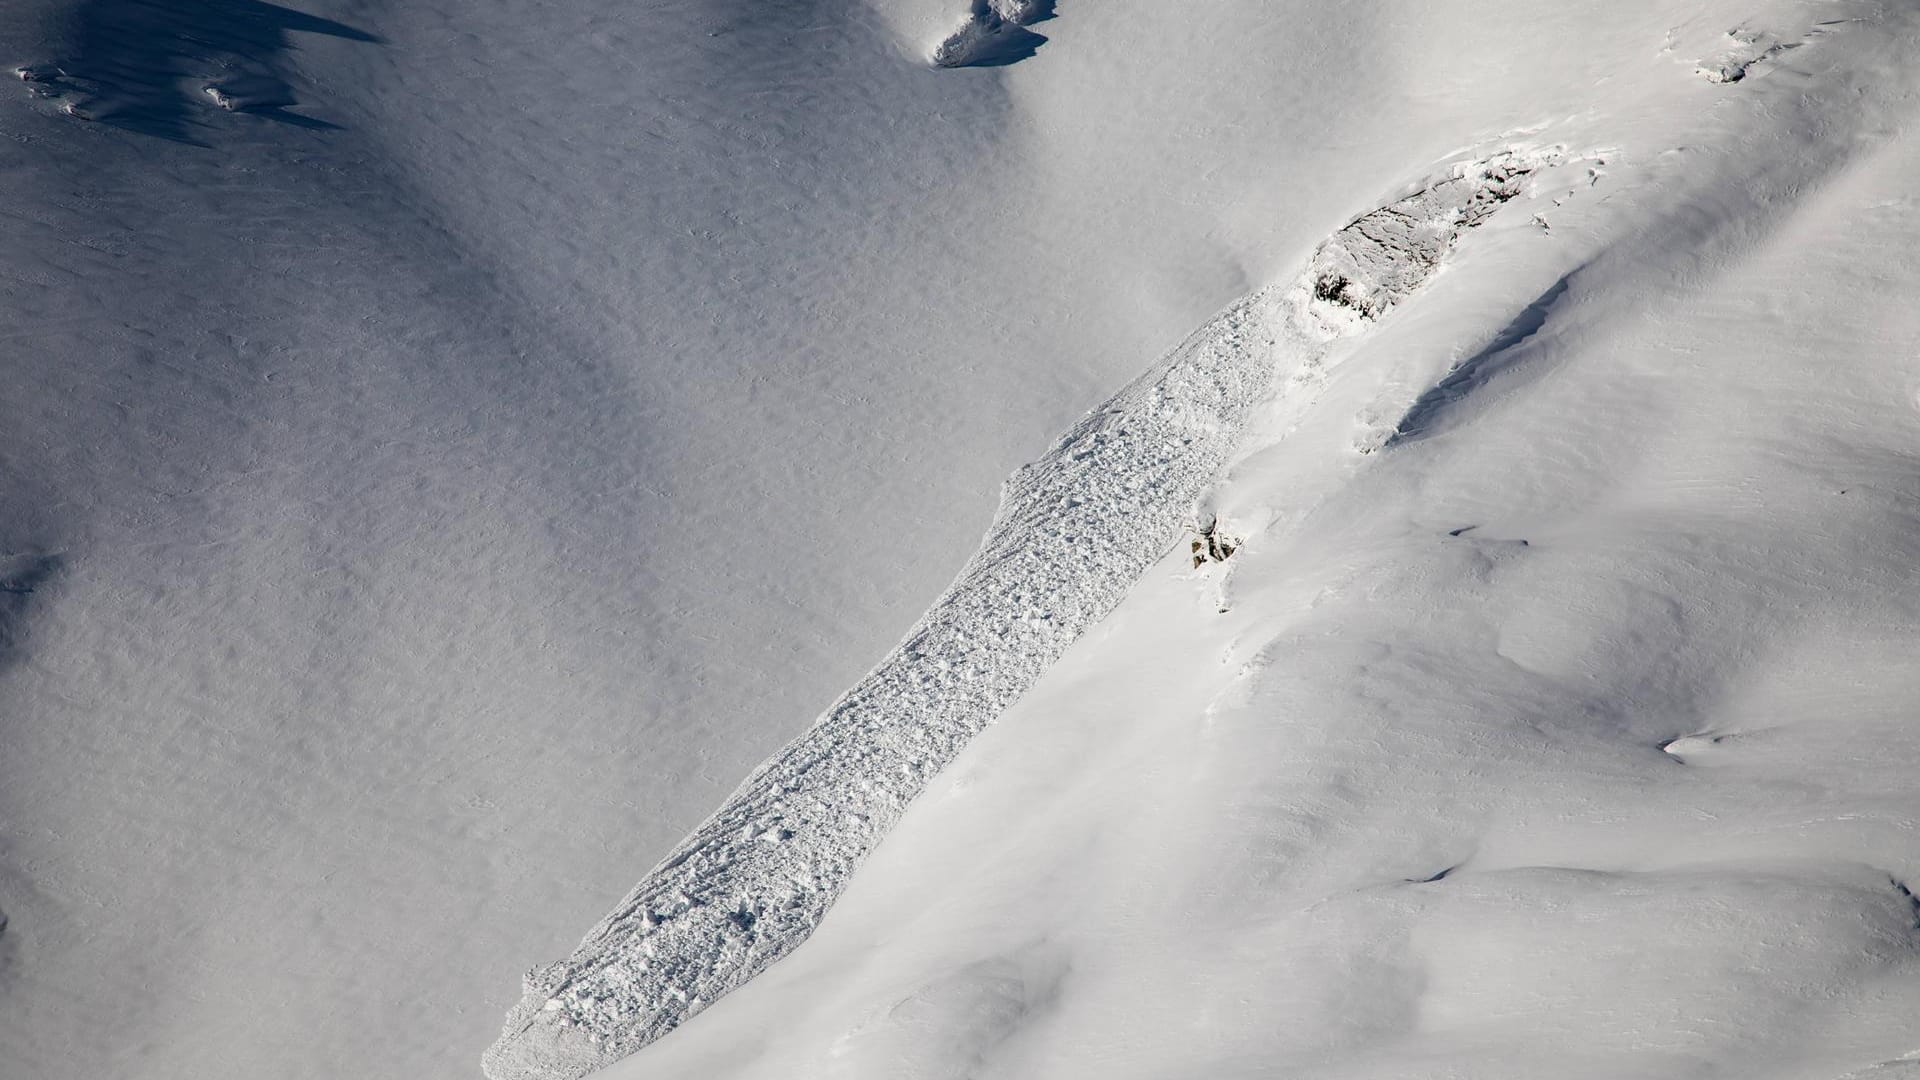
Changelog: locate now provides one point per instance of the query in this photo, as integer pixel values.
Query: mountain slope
(426, 499)
(1550, 719)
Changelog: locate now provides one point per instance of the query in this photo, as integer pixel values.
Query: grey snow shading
(151, 66)
(24, 580)
(994, 33)
(1073, 533)
(1507, 348)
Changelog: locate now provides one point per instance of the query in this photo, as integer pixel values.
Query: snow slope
(1074, 530)
(1550, 720)
(415, 525)
(430, 517)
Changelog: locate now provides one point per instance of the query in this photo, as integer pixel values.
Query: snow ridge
(1073, 532)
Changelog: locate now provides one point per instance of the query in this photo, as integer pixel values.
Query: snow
(1074, 530)
(993, 33)
(427, 499)
(1402, 809)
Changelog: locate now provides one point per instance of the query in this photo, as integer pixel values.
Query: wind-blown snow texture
(1074, 531)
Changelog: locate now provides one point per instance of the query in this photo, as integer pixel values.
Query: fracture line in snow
(1073, 532)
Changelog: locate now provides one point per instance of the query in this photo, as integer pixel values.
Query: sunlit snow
(1449, 612)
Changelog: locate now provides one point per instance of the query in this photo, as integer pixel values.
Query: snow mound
(1381, 257)
(994, 33)
(1074, 531)
(1744, 51)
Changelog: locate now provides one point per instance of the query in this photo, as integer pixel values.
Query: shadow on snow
(147, 65)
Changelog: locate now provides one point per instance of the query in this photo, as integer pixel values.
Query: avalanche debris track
(1073, 532)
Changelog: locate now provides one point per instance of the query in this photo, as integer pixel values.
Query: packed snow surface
(450, 445)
